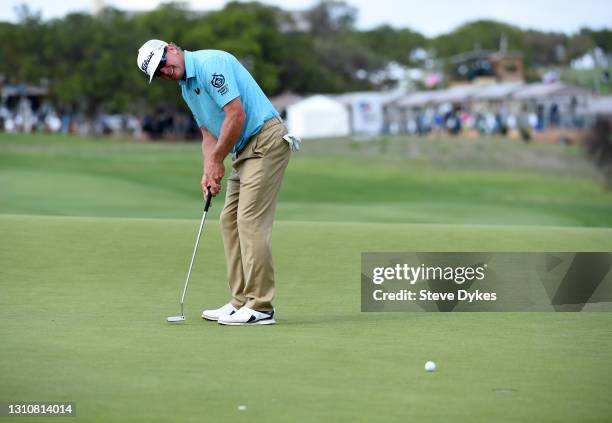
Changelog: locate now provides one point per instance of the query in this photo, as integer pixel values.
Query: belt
(270, 122)
(276, 120)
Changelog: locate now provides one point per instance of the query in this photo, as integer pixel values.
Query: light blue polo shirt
(213, 79)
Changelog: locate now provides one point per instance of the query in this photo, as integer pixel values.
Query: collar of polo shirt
(189, 67)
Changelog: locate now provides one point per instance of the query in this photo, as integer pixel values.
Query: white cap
(149, 56)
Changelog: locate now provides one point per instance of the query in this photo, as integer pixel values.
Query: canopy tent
(318, 116)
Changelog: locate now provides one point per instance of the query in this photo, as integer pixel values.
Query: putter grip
(208, 200)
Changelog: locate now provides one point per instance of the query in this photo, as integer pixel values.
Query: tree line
(89, 62)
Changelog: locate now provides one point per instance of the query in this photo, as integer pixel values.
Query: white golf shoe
(227, 309)
(246, 316)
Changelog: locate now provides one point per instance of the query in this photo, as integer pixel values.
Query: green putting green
(84, 302)
(97, 237)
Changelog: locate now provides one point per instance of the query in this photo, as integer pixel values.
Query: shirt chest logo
(197, 90)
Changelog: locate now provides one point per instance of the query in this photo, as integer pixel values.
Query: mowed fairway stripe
(83, 303)
(80, 194)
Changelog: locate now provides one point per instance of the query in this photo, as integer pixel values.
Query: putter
(181, 317)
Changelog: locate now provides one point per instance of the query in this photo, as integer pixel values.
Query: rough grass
(493, 181)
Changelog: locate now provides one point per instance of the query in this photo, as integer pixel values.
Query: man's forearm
(215, 150)
(208, 145)
(230, 131)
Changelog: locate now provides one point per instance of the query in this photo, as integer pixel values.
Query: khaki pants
(248, 213)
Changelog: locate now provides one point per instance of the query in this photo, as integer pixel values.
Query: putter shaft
(195, 250)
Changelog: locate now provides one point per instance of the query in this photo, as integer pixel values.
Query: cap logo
(145, 63)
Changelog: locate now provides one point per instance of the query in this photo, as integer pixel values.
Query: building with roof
(543, 105)
(487, 66)
(497, 96)
(600, 106)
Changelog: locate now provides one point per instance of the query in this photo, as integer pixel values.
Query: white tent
(317, 117)
(366, 110)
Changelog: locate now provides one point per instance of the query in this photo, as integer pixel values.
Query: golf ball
(241, 407)
(430, 366)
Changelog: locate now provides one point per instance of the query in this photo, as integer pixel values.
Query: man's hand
(213, 173)
(204, 184)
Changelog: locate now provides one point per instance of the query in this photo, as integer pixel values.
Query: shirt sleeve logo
(218, 80)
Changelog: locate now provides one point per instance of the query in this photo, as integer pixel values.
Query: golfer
(236, 117)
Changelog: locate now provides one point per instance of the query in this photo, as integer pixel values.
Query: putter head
(175, 319)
